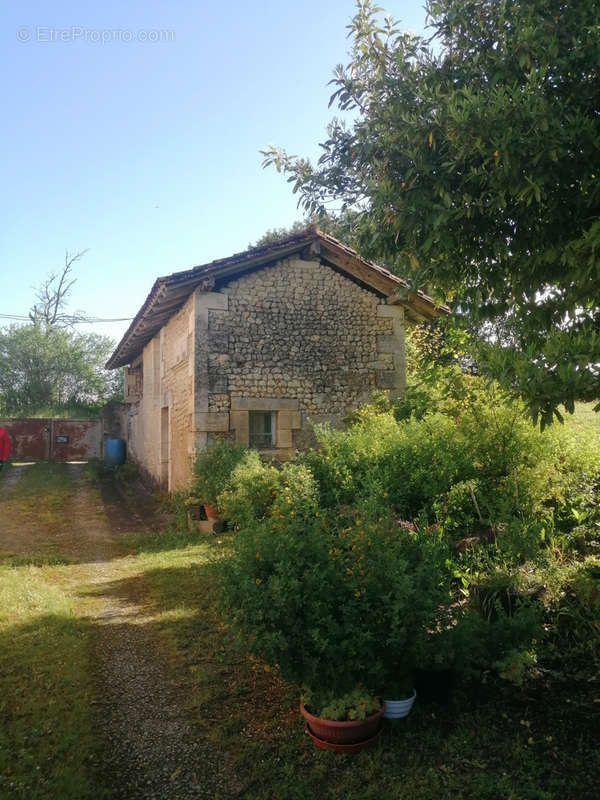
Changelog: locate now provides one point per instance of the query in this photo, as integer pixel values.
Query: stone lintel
(264, 404)
(213, 421)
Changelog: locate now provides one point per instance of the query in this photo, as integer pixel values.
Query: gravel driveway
(149, 748)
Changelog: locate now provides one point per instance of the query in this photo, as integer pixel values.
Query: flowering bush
(257, 491)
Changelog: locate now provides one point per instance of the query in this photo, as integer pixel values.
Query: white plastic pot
(397, 709)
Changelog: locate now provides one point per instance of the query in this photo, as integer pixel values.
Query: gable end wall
(300, 331)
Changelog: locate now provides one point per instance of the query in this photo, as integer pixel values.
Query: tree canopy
(47, 369)
(471, 163)
(46, 366)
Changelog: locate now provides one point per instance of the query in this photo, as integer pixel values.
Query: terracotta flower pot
(212, 512)
(348, 732)
(342, 748)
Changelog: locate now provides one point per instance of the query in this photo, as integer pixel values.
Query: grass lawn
(46, 730)
(537, 743)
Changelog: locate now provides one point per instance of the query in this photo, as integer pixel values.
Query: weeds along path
(145, 747)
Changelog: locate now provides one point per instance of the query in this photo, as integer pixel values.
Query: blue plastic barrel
(114, 452)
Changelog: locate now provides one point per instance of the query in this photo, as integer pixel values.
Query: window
(265, 422)
(262, 428)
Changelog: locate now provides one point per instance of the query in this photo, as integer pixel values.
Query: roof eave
(181, 285)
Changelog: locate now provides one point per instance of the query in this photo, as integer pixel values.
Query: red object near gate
(5, 444)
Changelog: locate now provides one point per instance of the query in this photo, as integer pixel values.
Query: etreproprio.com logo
(77, 33)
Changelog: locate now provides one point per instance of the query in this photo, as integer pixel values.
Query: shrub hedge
(445, 539)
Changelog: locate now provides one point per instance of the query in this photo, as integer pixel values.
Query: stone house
(257, 347)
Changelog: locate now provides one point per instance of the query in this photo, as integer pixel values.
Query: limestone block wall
(297, 337)
(160, 425)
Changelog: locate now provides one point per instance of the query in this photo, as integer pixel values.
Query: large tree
(46, 366)
(471, 161)
(48, 369)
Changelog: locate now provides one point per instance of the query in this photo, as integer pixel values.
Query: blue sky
(145, 151)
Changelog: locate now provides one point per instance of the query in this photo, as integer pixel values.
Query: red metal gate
(76, 439)
(30, 438)
(54, 439)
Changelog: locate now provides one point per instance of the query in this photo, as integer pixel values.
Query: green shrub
(436, 466)
(578, 516)
(486, 472)
(572, 618)
(546, 614)
(516, 666)
(296, 494)
(503, 641)
(350, 465)
(257, 491)
(250, 491)
(213, 468)
(458, 509)
(344, 563)
(336, 600)
(497, 624)
(575, 484)
(405, 464)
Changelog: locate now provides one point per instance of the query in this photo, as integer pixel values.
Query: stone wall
(301, 331)
(160, 424)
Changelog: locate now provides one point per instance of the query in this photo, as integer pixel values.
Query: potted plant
(346, 723)
(212, 471)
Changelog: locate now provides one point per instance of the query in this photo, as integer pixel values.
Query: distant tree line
(46, 367)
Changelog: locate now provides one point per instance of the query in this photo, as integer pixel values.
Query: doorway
(165, 446)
